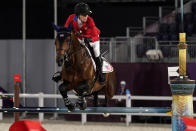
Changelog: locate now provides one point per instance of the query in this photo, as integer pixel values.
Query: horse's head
(63, 44)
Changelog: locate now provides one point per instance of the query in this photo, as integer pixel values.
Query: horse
(78, 73)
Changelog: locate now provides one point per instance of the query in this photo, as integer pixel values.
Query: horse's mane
(77, 43)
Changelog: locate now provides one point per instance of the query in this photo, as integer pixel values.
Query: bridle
(62, 37)
(67, 52)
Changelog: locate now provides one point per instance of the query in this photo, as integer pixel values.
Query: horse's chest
(74, 76)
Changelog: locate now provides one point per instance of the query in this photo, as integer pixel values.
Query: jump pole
(90, 110)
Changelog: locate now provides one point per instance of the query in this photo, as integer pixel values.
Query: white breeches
(95, 45)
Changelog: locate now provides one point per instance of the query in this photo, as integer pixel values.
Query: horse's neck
(78, 50)
(76, 43)
(80, 58)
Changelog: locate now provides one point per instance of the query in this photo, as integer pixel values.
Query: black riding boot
(56, 77)
(99, 63)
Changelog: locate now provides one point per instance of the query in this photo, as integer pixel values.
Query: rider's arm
(68, 23)
(92, 31)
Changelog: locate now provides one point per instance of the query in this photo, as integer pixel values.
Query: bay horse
(78, 73)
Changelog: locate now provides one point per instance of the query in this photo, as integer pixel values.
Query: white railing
(128, 99)
(42, 96)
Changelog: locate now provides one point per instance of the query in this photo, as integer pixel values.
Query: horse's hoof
(71, 107)
(82, 106)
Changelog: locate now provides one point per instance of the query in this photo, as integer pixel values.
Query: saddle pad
(106, 68)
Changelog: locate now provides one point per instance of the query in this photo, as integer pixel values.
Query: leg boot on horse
(67, 102)
(57, 77)
(81, 89)
(81, 102)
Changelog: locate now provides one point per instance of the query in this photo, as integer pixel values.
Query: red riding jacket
(88, 28)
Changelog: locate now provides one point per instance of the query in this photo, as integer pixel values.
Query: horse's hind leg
(63, 90)
(106, 102)
(95, 100)
(110, 86)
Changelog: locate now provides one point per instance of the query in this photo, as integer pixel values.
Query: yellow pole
(182, 54)
(182, 90)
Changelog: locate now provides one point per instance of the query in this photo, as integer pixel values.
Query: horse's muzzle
(59, 62)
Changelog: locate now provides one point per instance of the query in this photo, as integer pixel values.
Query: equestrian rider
(83, 24)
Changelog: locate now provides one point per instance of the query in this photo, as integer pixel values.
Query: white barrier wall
(39, 66)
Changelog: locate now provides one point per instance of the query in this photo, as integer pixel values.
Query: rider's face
(83, 18)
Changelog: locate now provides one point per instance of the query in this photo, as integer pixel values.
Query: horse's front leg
(63, 90)
(81, 102)
(81, 91)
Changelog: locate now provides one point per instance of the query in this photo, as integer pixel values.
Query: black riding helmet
(82, 9)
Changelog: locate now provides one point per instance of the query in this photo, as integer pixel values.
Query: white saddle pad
(106, 68)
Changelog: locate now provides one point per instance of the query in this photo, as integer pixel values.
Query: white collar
(79, 23)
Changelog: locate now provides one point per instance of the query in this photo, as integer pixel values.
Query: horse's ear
(56, 28)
